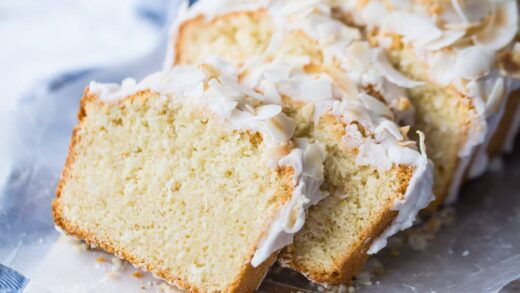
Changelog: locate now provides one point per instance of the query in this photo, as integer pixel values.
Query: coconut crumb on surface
(336, 289)
(137, 274)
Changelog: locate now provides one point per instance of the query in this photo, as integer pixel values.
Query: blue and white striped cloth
(11, 281)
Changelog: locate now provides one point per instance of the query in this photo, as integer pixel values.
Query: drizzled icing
(244, 109)
(336, 87)
(459, 41)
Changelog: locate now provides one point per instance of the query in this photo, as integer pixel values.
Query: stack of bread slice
(189, 175)
(279, 129)
(467, 103)
(342, 94)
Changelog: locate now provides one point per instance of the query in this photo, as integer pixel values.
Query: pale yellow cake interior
(236, 37)
(171, 188)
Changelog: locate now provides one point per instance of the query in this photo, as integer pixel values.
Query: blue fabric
(11, 280)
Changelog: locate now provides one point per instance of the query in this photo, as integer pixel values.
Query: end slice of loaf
(171, 188)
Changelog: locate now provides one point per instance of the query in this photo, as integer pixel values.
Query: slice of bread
(451, 46)
(189, 176)
(374, 191)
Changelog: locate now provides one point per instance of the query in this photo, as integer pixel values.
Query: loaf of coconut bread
(297, 131)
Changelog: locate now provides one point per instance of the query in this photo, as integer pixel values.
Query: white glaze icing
(418, 195)
(308, 177)
(244, 109)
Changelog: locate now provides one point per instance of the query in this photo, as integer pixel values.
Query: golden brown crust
(247, 280)
(182, 31)
(201, 21)
(352, 261)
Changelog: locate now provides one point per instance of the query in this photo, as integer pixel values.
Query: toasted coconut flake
(502, 27)
(307, 112)
(280, 128)
(342, 80)
(374, 12)
(448, 38)
(273, 153)
(390, 127)
(353, 138)
(473, 62)
(361, 59)
(265, 112)
(316, 89)
(394, 76)
(471, 11)
(313, 157)
(375, 105)
(413, 28)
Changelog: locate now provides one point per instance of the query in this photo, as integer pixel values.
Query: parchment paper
(477, 251)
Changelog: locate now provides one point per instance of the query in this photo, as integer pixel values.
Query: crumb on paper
(137, 274)
(336, 289)
(164, 287)
(117, 267)
(100, 259)
(117, 264)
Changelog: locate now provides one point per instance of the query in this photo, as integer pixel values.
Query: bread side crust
(201, 21)
(351, 261)
(247, 280)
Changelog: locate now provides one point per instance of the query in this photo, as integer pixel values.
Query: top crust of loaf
(246, 281)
